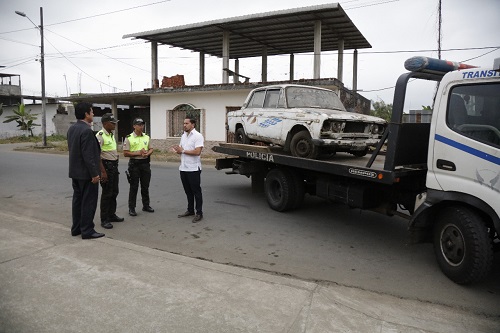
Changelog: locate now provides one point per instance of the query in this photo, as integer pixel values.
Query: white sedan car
(304, 120)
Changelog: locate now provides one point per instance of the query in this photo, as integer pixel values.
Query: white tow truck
(442, 176)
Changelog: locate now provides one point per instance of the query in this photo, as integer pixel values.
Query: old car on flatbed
(304, 120)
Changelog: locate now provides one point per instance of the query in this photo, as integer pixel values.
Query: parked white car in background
(304, 120)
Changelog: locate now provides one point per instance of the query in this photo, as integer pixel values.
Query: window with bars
(178, 114)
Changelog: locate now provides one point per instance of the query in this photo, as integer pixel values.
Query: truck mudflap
(421, 222)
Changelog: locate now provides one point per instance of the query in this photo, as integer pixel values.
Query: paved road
(321, 242)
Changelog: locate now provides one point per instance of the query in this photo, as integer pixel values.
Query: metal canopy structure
(280, 32)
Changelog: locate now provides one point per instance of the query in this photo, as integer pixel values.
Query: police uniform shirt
(134, 143)
(191, 142)
(108, 145)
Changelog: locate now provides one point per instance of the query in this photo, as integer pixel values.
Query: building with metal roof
(300, 30)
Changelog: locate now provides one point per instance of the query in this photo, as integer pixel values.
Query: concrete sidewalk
(52, 282)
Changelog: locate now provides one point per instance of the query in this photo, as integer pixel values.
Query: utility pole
(42, 63)
(440, 36)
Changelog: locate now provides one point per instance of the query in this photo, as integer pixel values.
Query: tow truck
(443, 177)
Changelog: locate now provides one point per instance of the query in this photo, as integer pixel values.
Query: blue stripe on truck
(467, 149)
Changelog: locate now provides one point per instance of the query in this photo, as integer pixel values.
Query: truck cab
(462, 199)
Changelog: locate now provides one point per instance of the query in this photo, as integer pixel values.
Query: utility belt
(109, 164)
(134, 161)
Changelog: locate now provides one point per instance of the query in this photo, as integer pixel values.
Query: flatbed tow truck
(442, 176)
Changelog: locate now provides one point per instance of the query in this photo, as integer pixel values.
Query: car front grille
(355, 127)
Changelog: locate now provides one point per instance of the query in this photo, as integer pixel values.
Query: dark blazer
(84, 152)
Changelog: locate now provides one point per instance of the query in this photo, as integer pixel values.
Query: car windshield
(299, 97)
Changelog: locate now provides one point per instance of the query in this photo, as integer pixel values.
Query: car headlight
(333, 126)
(377, 129)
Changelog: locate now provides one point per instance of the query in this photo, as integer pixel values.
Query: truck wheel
(241, 137)
(279, 188)
(298, 189)
(302, 145)
(463, 248)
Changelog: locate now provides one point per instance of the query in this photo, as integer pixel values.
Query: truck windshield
(300, 97)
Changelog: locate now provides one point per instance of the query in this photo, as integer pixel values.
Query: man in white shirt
(190, 169)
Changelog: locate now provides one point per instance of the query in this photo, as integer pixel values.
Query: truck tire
(301, 145)
(464, 250)
(280, 188)
(241, 137)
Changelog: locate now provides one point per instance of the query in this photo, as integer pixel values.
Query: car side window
(474, 111)
(272, 97)
(257, 99)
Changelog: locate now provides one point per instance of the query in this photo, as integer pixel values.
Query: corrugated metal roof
(283, 32)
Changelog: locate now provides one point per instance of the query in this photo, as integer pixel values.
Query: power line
(89, 17)
(108, 13)
(93, 50)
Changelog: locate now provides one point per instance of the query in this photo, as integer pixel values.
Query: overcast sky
(85, 51)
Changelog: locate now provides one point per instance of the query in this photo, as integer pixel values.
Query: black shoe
(148, 209)
(93, 235)
(115, 218)
(197, 218)
(186, 213)
(106, 225)
(76, 233)
(131, 212)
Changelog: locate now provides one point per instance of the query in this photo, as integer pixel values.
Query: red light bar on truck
(434, 66)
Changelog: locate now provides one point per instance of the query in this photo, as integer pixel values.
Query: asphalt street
(322, 242)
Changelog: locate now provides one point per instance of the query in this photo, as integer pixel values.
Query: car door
(251, 112)
(270, 117)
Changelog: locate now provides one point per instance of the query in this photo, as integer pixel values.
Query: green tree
(25, 120)
(381, 110)
(428, 107)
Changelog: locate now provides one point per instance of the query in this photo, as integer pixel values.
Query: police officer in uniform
(109, 182)
(136, 146)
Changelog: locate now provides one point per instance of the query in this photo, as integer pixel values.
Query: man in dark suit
(84, 170)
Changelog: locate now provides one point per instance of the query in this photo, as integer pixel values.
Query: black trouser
(85, 196)
(139, 171)
(191, 181)
(109, 190)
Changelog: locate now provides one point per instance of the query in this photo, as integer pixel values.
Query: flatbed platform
(342, 164)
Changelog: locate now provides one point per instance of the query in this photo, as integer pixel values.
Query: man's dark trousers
(139, 171)
(191, 181)
(109, 190)
(83, 217)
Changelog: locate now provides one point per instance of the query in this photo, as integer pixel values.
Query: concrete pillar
(340, 66)
(202, 68)
(154, 65)
(317, 49)
(225, 57)
(355, 71)
(236, 71)
(264, 64)
(292, 66)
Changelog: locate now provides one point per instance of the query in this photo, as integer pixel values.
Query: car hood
(341, 115)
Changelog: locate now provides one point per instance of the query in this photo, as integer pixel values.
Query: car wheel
(241, 137)
(462, 245)
(302, 145)
(360, 153)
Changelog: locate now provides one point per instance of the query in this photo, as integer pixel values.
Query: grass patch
(33, 139)
(57, 144)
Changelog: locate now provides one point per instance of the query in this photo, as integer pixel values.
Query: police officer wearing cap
(109, 182)
(136, 146)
